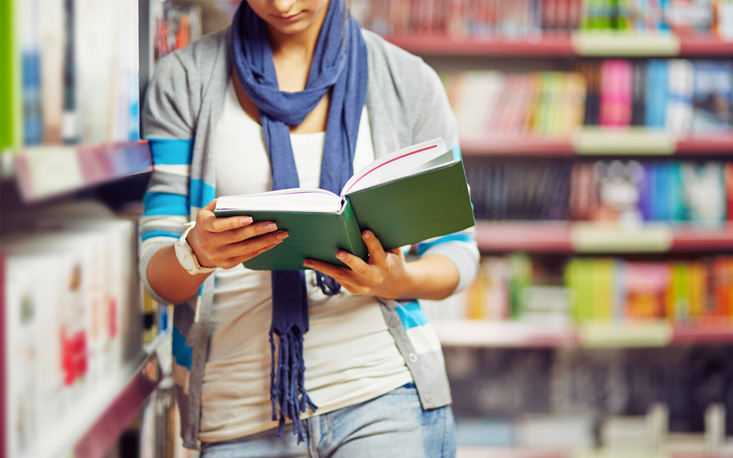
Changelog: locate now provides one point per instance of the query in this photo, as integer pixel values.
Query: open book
(405, 197)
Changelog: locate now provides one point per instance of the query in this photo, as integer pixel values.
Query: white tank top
(350, 356)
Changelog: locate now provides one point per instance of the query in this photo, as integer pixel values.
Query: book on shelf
(696, 193)
(711, 98)
(530, 18)
(8, 77)
(72, 325)
(680, 96)
(77, 72)
(616, 92)
(404, 197)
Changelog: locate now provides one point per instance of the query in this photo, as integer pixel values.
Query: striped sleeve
(168, 126)
(460, 248)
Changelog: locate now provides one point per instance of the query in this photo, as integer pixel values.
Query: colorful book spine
(616, 92)
(8, 77)
(712, 96)
(30, 69)
(656, 94)
(680, 84)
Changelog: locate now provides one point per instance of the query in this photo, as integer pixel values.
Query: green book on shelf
(7, 75)
(405, 197)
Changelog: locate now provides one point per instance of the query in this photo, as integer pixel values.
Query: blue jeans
(392, 425)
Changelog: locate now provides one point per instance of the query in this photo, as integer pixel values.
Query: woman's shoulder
(382, 52)
(392, 65)
(198, 58)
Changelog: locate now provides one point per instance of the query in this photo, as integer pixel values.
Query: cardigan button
(412, 357)
(394, 322)
(429, 398)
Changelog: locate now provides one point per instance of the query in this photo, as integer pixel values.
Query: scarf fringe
(287, 384)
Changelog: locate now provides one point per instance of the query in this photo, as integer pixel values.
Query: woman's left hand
(384, 275)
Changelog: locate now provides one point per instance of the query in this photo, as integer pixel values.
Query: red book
(728, 171)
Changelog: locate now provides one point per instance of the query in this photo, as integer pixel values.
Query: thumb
(210, 206)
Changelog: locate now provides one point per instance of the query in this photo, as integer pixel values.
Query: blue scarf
(339, 65)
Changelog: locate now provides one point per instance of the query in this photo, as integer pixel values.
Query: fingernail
(246, 220)
(340, 254)
(282, 235)
(271, 226)
(307, 264)
(366, 234)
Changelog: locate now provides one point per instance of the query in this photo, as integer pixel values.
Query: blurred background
(597, 137)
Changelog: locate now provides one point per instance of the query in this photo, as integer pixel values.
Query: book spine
(30, 69)
(8, 77)
(656, 93)
(678, 116)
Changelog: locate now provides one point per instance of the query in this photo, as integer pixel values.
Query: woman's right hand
(228, 241)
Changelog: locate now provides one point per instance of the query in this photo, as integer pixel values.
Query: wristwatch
(187, 257)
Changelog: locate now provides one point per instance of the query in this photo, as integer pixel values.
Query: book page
(294, 199)
(401, 163)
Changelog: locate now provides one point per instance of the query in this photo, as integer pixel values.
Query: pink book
(616, 92)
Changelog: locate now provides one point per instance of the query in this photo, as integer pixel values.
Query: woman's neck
(293, 54)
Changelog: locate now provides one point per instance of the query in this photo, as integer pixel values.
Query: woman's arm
(216, 242)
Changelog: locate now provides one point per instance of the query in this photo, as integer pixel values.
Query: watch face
(184, 257)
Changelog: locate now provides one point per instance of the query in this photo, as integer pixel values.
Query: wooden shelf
(576, 44)
(106, 428)
(434, 44)
(504, 334)
(541, 237)
(46, 171)
(518, 334)
(593, 141)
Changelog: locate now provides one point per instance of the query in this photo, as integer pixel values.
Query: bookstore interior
(597, 140)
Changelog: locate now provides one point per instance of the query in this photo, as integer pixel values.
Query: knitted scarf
(340, 66)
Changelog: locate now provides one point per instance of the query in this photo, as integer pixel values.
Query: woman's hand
(226, 242)
(385, 274)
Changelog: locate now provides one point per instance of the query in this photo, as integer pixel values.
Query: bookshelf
(72, 168)
(46, 172)
(548, 356)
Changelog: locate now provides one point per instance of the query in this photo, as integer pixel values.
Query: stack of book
(621, 191)
(683, 97)
(544, 103)
(609, 290)
(75, 67)
(72, 322)
(530, 18)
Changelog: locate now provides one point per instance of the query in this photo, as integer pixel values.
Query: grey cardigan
(406, 104)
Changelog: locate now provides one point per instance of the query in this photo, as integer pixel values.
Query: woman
(295, 94)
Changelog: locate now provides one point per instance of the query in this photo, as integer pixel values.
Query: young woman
(295, 93)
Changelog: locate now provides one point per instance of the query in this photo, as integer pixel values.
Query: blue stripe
(201, 193)
(171, 151)
(182, 353)
(151, 234)
(411, 315)
(165, 203)
(458, 237)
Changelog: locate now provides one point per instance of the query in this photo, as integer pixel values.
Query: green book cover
(324, 234)
(428, 197)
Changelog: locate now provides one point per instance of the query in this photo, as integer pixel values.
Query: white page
(394, 165)
(294, 199)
